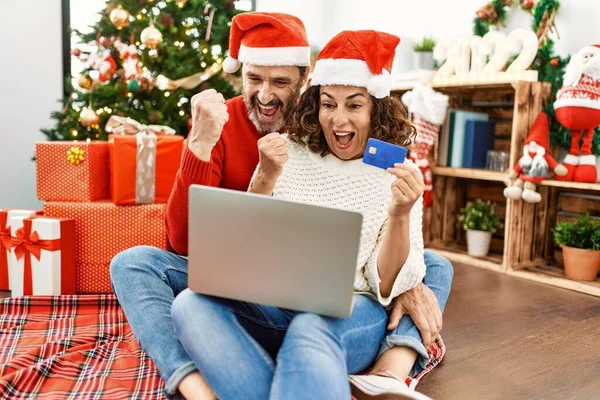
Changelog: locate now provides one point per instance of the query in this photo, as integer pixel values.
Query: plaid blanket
(81, 347)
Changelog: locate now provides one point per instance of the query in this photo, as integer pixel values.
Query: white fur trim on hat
(349, 72)
(275, 56)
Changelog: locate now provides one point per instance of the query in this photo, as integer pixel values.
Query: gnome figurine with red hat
(577, 108)
(535, 165)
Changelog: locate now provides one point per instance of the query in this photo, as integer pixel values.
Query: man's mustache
(273, 103)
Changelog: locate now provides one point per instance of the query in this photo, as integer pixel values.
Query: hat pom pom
(231, 65)
(379, 86)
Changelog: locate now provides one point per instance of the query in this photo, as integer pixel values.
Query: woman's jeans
(227, 339)
(146, 281)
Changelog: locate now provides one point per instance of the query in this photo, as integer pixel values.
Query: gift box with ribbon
(72, 171)
(6, 241)
(42, 261)
(103, 230)
(144, 161)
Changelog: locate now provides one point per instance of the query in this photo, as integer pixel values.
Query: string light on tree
(180, 3)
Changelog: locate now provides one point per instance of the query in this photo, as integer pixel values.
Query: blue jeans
(146, 281)
(225, 340)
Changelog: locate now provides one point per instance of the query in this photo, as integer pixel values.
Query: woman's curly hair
(389, 122)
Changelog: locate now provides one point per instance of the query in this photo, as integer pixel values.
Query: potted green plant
(480, 221)
(580, 242)
(424, 53)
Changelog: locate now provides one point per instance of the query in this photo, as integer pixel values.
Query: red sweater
(232, 164)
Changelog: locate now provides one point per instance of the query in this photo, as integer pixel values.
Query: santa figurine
(535, 165)
(577, 108)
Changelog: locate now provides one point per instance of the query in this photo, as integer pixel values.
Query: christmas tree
(145, 59)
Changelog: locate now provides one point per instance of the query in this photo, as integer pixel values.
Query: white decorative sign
(478, 59)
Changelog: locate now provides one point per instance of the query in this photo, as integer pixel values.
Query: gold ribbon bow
(145, 172)
(75, 155)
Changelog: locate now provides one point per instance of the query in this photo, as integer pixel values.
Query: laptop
(258, 249)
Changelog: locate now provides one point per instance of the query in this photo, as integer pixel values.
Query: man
(223, 151)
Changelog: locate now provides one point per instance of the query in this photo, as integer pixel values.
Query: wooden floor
(508, 338)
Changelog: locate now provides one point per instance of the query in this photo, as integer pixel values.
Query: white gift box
(5, 216)
(42, 260)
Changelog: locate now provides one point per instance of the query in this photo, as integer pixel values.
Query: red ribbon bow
(27, 244)
(5, 245)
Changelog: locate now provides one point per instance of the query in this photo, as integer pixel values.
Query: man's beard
(276, 126)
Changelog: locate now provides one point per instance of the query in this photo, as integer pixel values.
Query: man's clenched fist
(209, 115)
(273, 154)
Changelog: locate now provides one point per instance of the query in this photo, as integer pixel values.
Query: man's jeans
(146, 281)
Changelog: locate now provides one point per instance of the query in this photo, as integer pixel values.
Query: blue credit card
(382, 154)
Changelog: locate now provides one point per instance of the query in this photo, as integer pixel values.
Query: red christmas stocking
(420, 149)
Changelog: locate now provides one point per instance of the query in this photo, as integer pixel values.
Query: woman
(320, 163)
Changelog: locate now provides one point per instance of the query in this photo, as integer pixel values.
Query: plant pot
(581, 264)
(423, 60)
(478, 243)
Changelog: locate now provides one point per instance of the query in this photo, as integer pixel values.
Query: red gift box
(72, 171)
(144, 161)
(103, 230)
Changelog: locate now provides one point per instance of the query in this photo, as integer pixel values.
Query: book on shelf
(458, 131)
(453, 137)
(479, 139)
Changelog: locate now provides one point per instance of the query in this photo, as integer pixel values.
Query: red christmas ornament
(76, 52)
(527, 4)
(554, 62)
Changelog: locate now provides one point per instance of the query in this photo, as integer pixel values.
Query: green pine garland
(549, 65)
(147, 104)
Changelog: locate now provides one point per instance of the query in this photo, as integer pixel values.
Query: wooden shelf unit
(470, 173)
(524, 246)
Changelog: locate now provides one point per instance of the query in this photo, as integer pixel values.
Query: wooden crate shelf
(461, 87)
(572, 185)
(457, 254)
(551, 274)
(526, 240)
(470, 173)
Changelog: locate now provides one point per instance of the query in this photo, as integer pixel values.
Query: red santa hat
(539, 132)
(268, 39)
(358, 58)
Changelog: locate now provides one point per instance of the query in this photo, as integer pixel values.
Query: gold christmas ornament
(75, 155)
(88, 117)
(151, 37)
(84, 81)
(119, 17)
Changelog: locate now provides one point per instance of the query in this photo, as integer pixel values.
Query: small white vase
(423, 60)
(478, 243)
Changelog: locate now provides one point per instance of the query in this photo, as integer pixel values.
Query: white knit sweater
(354, 186)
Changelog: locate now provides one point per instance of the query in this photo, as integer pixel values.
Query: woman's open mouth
(343, 139)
